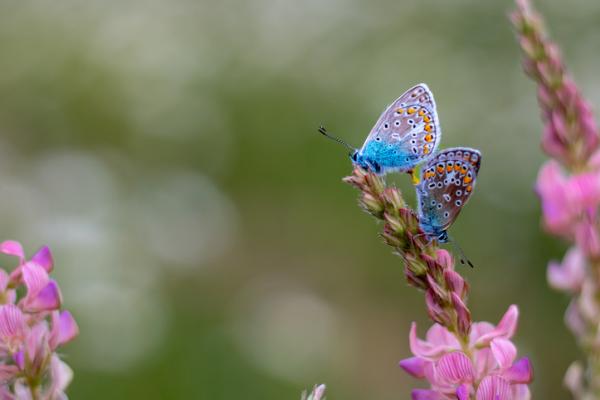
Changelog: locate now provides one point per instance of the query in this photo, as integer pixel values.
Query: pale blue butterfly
(447, 182)
(406, 134)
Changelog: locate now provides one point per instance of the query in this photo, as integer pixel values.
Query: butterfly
(447, 182)
(406, 134)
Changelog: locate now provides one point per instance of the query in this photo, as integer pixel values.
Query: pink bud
(462, 313)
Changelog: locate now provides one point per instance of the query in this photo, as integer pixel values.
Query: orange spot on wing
(426, 118)
(428, 138)
(400, 110)
(425, 149)
(428, 128)
(467, 179)
(440, 169)
(421, 112)
(411, 110)
(464, 169)
(449, 168)
(457, 167)
(469, 188)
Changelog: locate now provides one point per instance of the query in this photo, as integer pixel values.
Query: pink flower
(32, 328)
(484, 367)
(569, 275)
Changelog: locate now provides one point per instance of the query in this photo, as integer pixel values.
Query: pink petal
(19, 359)
(36, 346)
(484, 362)
(506, 327)
(479, 329)
(35, 278)
(574, 379)
(425, 394)
(43, 258)
(64, 328)
(569, 275)
(423, 349)
(520, 392)
(62, 375)
(414, 366)
(584, 190)
(438, 335)
(574, 320)
(455, 368)
(13, 248)
(504, 352)
(462, 393)
(48, 299)
(12, 323)
(493, 388)
(551, 185)
(319, 392)
(520, 372)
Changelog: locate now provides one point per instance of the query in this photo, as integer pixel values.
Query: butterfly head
(365, 162)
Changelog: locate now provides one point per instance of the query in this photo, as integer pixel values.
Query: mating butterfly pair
(407, 134)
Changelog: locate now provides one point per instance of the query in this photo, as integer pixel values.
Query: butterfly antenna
(327, 135)
(463, 258)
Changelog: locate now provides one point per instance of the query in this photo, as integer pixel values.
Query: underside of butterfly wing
(447, 182)
(407, 132)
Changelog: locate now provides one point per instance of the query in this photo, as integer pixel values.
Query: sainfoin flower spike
(569, 190)
(460, 359)
(32, 328)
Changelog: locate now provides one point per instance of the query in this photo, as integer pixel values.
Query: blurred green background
(168, 154)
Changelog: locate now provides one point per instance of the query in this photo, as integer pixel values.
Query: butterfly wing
(447, 182)
(407, 132)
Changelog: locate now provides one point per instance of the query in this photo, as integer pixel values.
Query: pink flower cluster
(32, 327)
(483, 369)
